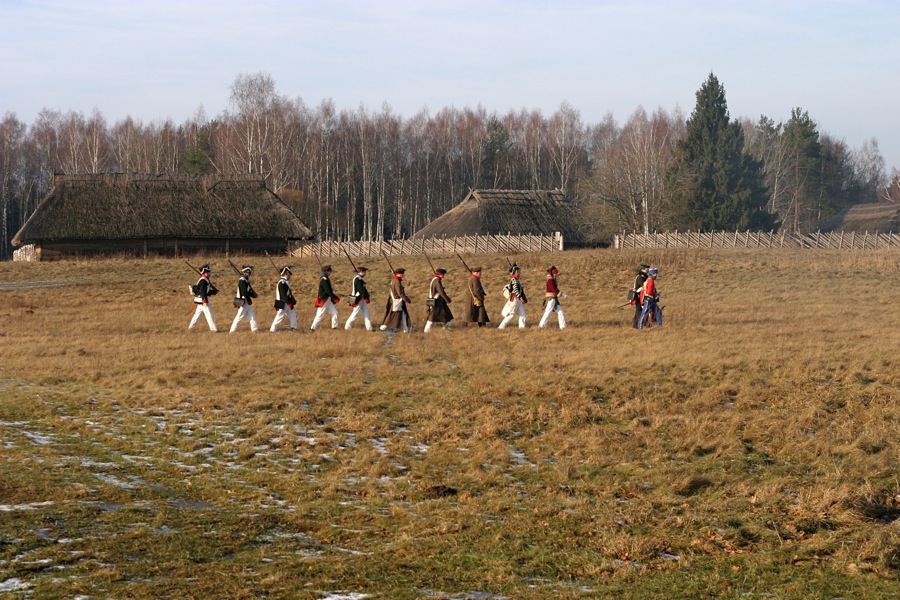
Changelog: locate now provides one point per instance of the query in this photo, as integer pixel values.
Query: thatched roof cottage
(159, 214)
(518, 212)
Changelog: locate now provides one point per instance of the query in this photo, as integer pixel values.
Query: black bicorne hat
(286, 271)
(205, 268)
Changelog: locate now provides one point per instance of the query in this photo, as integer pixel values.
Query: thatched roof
(134, 206)
(491, 212)
(875, 216)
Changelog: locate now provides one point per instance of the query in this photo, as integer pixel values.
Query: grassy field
(748, 449)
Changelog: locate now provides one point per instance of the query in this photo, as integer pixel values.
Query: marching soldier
(202, 291)
(326, 300)
(635, 293)
(284, 301)
(551, 300)
(243, 300)
(396, 315)
(438, 311)
(359, 298)
(649, 299)
(515, 305)
(475, 311)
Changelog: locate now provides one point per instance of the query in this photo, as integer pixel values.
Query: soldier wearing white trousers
(326, 300)
(515, 303)
(243, 300)
(551, 300)
(284, 302)
(359, 301)
(204, 289)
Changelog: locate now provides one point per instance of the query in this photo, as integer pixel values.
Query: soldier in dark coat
(359, 300)
(475, 311)
(515, 299)
(438, 311)
(204, 289)
(326, 300)
(243, 301)
(396, 315)
(284, 301)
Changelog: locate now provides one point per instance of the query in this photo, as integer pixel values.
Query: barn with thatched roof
(882, 217)
(158, 214)
(517, 212)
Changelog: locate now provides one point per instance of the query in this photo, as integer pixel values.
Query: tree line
(374, 175)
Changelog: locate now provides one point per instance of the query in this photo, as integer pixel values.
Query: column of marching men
(643, 295)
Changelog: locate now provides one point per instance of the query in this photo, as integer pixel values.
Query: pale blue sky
(160, 59)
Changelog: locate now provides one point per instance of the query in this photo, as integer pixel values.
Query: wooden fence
(469, 244)
(838, 240)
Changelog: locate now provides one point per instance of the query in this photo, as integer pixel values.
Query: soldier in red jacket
(551, 300)
(649, 298)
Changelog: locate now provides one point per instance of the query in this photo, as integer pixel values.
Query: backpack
(507, 291)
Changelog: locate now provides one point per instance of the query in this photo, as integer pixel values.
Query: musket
(429, 263)
(464, 263)
(212, 288)
(390, 266)
(274, 266)
(236, 270)
(319, 260)
(195, 269)
(352, 264)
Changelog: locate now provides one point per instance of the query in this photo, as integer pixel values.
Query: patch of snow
(31, 506)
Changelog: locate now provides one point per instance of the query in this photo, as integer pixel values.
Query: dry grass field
(748, 449)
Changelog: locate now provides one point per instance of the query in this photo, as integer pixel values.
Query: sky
(838, 60)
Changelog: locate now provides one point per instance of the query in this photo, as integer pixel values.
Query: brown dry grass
(747, 448)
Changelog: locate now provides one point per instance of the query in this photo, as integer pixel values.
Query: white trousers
(430, 324)
(360, 309)
(205, 310)
(245, 311)
(553, 307)
(331, 309)
(518, 311)
(279, 317)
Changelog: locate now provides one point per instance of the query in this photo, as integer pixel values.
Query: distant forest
(373, 174)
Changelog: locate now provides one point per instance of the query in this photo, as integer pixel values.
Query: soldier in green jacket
(284, 301)
(326, 300)
(359, 300)
(243, 301)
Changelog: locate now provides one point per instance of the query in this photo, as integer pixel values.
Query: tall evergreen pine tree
(713, 184)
